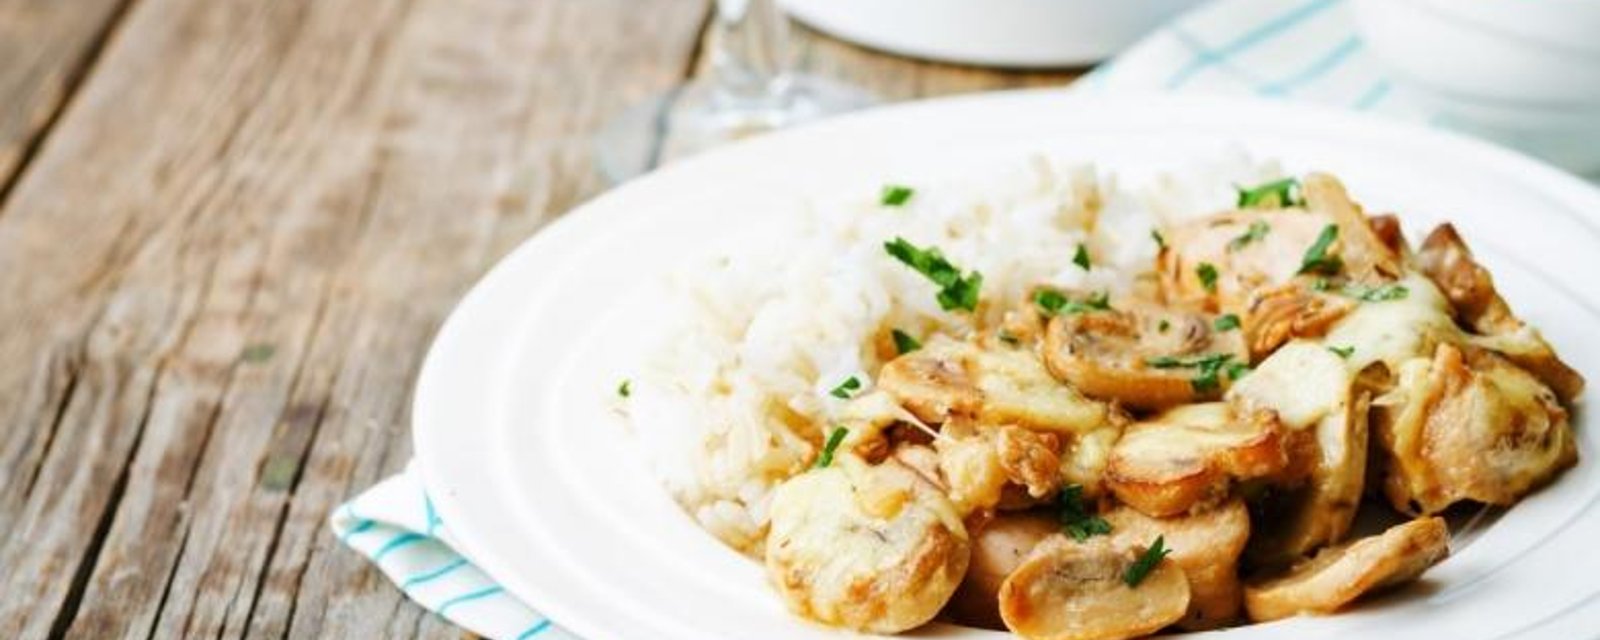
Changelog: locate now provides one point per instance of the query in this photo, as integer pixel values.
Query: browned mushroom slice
(1293, 310)
(1313, 393)
(993, 385)
(1188, 457)
(1469, 425)
(1120, 354)
(1445, 258)
(998, 548)
(1339, 575)
(872, 548)
(1068, 590)
(1207, 546)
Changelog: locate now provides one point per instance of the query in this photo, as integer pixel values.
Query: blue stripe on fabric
(534, 630)
(1261, 33)
(433, 517)
(396, 543)
(1198, 48)
(360, 527)
(467, 597)
(1321, 67)
(1372, 97)
(426, 576)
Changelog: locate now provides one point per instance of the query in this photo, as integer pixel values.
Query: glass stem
(749, 56)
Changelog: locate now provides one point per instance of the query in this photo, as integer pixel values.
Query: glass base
(696, 117)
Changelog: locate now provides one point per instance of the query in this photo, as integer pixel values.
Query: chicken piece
(1189, 457)
(1068, 590)
(1445, 258)
(1294, 310)
(979, 463)
(1251, 250)
(1206, 546)
(1391, 332)
(1470, 425)
(1135, 354)
(1339, 575)
(870, 548)
(995, 385)
(1313, 393)
(998, 548)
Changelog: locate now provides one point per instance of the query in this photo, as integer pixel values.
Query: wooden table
(228, 231)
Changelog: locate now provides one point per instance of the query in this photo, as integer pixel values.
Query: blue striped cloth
(1282, 49)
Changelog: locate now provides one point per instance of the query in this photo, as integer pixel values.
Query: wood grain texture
(221, 269)
(46, 46)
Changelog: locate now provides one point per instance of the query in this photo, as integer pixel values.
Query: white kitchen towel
(1284, 49)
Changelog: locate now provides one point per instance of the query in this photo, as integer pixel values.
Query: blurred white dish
(1522, 72)
(1005, 33)
(523, 452)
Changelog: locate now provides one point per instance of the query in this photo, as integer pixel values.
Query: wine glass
(750, 90)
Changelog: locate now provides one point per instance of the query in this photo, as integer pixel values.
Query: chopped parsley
(846, 388)
(1208, 368)
(1278, 193)
(1163, 326)
(1081, 257)
(625, 389)
(1146, 563)
(1052, 302)
(1321, 284)
(1009, 339)
(826, 458)
(1382, 293)
(1161, 242)
(1317, 259)
(895, 195)
(1225, 322)
(1343, 352)
(1254, 233)
(955, 291)
(1075, 517)
(1208, 276)
(903, 342)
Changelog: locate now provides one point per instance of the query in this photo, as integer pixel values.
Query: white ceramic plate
(527, 460)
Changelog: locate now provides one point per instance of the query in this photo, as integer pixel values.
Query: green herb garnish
(1225, 322)
(826, 458)
(1052, 302)
(1208, 368)
(1278, 193)
(1161, 242)
(1163, 325)
(1208, 276)
(1343, 352)
(625, 389)
(1317, 259)
(895, 195)
(1254, 233)
(955, 291)
(1075, 517)
(1382, 293)
(258, 353)
(903, 342)
(1081, 257)
(1146, 563)
(846, 388)
(1009, 339)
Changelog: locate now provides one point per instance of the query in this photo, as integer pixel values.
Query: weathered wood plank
(322, 178)
(46, 47)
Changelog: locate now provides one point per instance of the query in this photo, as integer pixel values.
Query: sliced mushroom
(871, 548)
(1114, 354)
(980, 463)
(1445, 258)
(1279, 314)
(992, 385)
(1339, 575)
(1189, 457)
(1314, 394)
(998, 548)
(1068, 590)
(1207, 546)
(1469, 425)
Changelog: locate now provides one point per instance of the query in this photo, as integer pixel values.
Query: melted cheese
(1393, 331)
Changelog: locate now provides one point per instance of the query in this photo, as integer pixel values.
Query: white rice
(736, 400)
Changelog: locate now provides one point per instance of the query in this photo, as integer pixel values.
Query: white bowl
(1523, 72)
(1006, 33)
